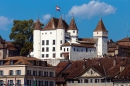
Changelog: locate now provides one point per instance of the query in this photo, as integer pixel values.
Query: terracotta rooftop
(60, 24)
(24, 61)
(100, 26)
(37, 25)
(53, 24)
(124, 40)
(78, 45)
(76, 67)
(72, 25)
(87, 40)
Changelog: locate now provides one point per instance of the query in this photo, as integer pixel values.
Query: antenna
(127, 30)
(100, 15)
(38, 14)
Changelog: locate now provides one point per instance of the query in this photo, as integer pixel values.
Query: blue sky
(115, 15)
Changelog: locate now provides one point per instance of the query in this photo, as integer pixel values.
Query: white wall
(48, 35)
(36, 43)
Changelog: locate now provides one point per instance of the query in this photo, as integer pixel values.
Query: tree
(22, 35)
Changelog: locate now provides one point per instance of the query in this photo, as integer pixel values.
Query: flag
(15, 82)
(34, 81)
(6, 82)
(25, 82)
(57, 8)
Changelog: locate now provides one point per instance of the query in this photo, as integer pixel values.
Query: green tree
(22, 35)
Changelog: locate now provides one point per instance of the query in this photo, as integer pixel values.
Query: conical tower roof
(60, 24)
(37, 25)
(100, 26)
(72, 25)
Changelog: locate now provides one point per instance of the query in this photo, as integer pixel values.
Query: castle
(58, 40)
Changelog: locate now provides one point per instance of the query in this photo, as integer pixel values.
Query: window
(77, 31)
(53, 42)
(54, 55)
(97, 32)
(1, 83)
(74, 49)
(51, 74)
(42, 49)
(45, 74)
(90, 50)
(47, 42)
(11, 82)
(77, 50)
(60, 48)
(51, 83)
(17, 72)
(67, 49)
(50, 32)
(47, 55)
(42, 42)
(46, 83)
(42, 55)
(1, 72)
(73, 31)
(86, 49)
(95, 80)
(81, 50)
(53, 49)
(85, 80)
(28, 72)
(60, 55)
(60, 41)
(47, 49)
(11, 72)
(64, 49)
(91, 80)
(18, 82)
(1, 62)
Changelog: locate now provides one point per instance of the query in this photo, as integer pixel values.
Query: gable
(91, 73)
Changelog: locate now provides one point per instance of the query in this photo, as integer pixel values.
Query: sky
(114, 13)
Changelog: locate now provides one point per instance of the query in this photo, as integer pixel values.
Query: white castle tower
(102, 34)
(60, 37)
(73, 31)
(37, 40)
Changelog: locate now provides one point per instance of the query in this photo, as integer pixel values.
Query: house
(7, 49)
(58, 40)
(112, 71)
(23, 70)
(120, 49)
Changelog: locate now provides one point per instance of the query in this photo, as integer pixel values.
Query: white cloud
(4, 22)
(46, 17)
(93, 8)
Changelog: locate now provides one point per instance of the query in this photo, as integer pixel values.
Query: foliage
(22, 35)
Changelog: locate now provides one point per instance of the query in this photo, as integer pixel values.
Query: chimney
(122, 67)
(114, 62)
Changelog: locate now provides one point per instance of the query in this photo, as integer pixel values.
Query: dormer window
(1, 62)
(11, 62)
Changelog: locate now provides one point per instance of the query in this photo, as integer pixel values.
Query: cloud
(46, 18)
(93, 8)
(4, 22)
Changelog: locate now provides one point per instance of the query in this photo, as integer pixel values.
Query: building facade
(21, 71)
(58, 40)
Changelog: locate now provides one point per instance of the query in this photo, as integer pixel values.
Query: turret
(73, 31)
(60, 35)
(102, 34)
(37, 39)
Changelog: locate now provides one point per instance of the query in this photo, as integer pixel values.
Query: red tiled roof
(37, 25)
(72, 25)
(53, 24)
(100, 26)
(87, 40)
(78, 45)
